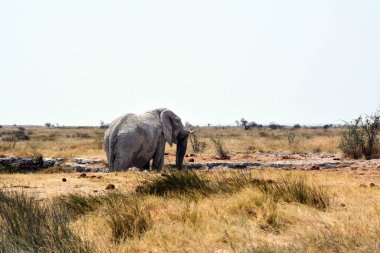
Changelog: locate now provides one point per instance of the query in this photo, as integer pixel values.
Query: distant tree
(47, 124)
(327, 126)
(296, 126)
(237, 123)
(253, 124)
(1, 126)
(244, 123)
(274, 126)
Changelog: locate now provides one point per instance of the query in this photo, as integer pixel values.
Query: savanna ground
(262, 210)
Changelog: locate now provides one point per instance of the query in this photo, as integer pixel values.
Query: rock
(28, 163)
(110, 187)
(195, 165)
(82, 175)
(88, 168)
(342, 205)
(95, 190)
(87, 161)
(372, 185)
(80, 168)
(191, 160)
(314, 167)
(64, 180)
(192, 154)
(49, 162)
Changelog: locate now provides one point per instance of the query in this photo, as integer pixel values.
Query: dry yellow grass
(245, 221)
(248, 220)
(88, 142)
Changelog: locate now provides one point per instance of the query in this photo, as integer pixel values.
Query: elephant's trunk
(181, 151)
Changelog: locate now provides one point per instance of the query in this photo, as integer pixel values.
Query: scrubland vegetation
(186, 211)
(263, 210)
(356, 139)
(88, 142)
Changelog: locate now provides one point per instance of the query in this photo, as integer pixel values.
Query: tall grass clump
(360, 137)
(231, 181)
(176, 182)
(127, 216)
(295, 188)
(29, 226)
(79, 204)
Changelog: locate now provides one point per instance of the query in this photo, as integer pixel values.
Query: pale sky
(77, 62)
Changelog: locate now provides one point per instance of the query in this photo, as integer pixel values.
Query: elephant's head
(174, 132)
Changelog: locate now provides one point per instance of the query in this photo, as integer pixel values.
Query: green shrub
(360, 137)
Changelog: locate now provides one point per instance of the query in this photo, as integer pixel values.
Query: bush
(196, 144)
(296, 126)
(291, 135)
(28, 226)
(275, 126)
(220, 148)
(360, 137)
(18, 135)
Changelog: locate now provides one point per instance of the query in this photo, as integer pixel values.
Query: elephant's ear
(171, 126)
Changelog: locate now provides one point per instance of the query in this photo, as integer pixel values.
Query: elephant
(133, 140)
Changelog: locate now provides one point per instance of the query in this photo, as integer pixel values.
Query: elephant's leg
(158, 158)
(146, 166)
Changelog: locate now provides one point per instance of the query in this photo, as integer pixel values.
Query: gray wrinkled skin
(133, 140)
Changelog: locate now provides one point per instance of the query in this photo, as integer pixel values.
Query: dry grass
(262, 210)
(245, 219)
(88, 142)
